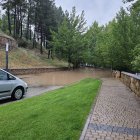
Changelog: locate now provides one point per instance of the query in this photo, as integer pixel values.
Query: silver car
(11, 86)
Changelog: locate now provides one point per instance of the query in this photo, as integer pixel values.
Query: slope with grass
(27, 58)
(57, 115)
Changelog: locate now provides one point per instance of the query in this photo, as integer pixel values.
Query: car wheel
(17, 94)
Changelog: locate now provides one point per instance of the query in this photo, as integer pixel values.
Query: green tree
(122, 44)
(99, 41)
(136, 61)
(92, 36)
(4, 24)
(68, 42)
(22, 15)
(0, 24)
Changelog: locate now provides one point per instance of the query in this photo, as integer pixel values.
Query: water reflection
(64, 77)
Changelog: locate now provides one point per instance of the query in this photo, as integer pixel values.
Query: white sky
(102, 11)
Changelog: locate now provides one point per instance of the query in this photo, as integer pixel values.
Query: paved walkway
(116, 115)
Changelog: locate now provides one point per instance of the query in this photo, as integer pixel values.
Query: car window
(3, 75)
(10, 77)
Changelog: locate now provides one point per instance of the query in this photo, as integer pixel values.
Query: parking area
(44, 82)
(32, 91)
(35, 91)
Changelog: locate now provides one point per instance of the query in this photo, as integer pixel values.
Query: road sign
(7, 47)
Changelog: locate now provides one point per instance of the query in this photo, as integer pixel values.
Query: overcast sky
(99, 10)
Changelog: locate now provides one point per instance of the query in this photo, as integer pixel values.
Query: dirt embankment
(27, 58)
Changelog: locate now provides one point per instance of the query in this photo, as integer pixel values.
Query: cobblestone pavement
(116, 115)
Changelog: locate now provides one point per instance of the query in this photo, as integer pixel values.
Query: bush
(24, 43)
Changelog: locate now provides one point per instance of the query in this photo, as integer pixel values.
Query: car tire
(17, 94)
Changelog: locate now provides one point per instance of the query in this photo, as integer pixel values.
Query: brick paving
(116, 114)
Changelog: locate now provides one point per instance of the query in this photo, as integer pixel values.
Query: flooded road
(44, 82)
(62, 78)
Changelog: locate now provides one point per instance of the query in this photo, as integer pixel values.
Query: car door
(5, 84)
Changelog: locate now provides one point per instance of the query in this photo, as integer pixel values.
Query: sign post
(7, 49)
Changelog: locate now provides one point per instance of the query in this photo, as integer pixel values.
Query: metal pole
(7, 48)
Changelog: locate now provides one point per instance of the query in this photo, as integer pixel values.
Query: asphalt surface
(32, 91)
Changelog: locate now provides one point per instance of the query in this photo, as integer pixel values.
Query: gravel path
(116, 115)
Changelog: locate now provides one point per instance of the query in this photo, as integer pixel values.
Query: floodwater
(44, 82)
(62, 78)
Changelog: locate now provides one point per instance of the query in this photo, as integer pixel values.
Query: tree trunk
(27, 30)
(34, 41)
(69, 60)
(41, 48)
(21, 33)
(21, 20)
(34, 36)
(28, 36)
(49, 52)
(18, 22)
(30, 33)
(9, 19)
(15, 20)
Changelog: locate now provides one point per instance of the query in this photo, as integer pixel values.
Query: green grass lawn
(57, 115)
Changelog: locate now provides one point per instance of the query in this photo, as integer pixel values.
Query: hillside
(26, 58)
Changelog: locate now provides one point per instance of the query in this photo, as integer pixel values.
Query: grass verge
(57, 115)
